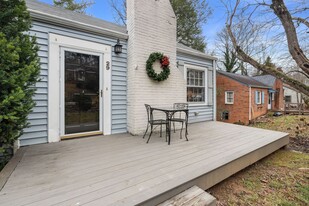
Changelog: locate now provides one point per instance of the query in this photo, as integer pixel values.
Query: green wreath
(164, 61)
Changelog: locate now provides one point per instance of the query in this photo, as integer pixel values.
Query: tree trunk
(299, 86)
(286, 19)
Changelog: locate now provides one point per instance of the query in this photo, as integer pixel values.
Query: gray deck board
(123, 170)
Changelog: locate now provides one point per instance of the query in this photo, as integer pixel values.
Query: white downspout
(250, 103)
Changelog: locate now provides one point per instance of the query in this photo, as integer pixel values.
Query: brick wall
(151, 27)
(278, 103)
(258, 109)
(239, 111)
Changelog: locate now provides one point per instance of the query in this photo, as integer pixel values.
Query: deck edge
(221, 173)
(10, 166)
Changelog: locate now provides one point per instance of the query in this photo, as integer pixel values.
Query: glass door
(81, 92)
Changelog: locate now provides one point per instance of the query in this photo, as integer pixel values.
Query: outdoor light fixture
(118, 48)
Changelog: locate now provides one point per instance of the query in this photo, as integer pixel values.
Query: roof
(55, 15)
(188, 50)
(268, 80)
(249, 81)
(59, 16)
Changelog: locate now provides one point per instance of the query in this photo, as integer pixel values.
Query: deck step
(192, 196)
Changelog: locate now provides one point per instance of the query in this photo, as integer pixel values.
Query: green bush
(19, 71)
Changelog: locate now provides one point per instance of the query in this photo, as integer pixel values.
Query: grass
(279, 179)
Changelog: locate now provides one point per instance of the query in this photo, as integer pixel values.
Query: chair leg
(150, 133)
(181, 130)
(166, 132)
(146, 131)
(174, 127)
(187, 131)
(161, 131)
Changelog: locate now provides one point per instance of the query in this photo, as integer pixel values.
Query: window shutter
(262, 97)
(256, 97)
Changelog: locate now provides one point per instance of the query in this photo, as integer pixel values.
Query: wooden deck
(124, 170)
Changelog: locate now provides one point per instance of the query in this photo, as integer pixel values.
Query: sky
(102, 9)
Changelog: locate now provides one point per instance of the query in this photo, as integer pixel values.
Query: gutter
(43, 17)
(190, 52)
(250, 104)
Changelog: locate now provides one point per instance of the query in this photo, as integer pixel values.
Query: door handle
(101, 92)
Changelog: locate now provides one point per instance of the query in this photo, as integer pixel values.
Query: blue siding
(37, 132)
(199, 113)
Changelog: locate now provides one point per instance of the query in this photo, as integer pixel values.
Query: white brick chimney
(151, 26)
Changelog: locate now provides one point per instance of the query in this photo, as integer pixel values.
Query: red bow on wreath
(165, 61)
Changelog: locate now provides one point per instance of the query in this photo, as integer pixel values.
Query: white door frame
(269, 103)
(62, 92)
(56, 42)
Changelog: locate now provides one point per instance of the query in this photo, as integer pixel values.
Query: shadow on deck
(124, 170)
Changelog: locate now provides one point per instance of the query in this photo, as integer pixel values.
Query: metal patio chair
(178, 117)
(151, 122)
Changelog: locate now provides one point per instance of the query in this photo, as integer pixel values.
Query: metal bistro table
(170, 111)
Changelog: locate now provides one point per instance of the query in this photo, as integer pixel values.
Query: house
(90, 88)
(87, 88)
(276, 93)
(240, 99)
(291, 96)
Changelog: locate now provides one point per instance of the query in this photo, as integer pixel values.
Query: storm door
(82, 96)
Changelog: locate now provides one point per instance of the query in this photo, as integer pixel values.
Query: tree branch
(297, 71)
(246, 58)
(285, 17)
(301, 20)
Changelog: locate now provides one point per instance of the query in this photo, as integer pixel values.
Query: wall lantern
(118, 47)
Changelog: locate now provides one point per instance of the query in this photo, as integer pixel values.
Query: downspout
(214, 101)
(250, 105)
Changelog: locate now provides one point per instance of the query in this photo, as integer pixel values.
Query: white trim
(54, 81)
(269, 103)
(250, 103)
(260, 96)
(205, 69)
(214, 90)
(35, 14)
(226, 102)
(196, 53)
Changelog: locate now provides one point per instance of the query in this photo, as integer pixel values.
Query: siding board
(38, 130)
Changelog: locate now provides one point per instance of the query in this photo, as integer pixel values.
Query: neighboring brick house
(240, 98)
(276, 94)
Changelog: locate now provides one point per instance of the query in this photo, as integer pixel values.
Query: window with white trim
(258, 97)
(195, 85)
(229, 97)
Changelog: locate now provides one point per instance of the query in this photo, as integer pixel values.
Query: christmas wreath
(164, 61)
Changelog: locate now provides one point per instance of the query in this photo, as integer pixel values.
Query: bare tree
(120, 9)
(191, 15)
(281, 13)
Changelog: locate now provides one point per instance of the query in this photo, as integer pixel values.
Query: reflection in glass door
(82, 92)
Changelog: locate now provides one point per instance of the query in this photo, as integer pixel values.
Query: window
(229, 97)
(225, 115)
(259, 97)
(288, 99)
(195, 85)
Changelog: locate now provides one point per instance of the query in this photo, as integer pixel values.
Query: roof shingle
(249, 81)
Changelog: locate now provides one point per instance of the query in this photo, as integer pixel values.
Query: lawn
(279, 179)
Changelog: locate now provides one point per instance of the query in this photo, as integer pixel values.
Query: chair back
(149, 112)
(180, 105)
